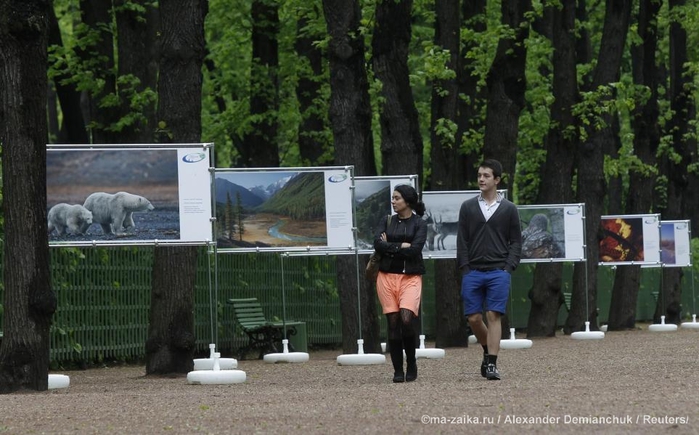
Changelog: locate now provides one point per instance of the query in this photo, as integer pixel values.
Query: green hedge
(104, 298)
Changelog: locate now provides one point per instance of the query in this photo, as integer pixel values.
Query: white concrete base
(212, 377)
(691, 325)
(58, 381)
(515, 343)
(662, 327)
(361, 358)
(432, 353)
(587, 334)
(604, 328)
(286, 356)
(216, 376)
(208, 363)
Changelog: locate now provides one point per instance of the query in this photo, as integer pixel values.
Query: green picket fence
(104, 299)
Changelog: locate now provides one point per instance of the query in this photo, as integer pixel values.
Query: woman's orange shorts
(398, 291)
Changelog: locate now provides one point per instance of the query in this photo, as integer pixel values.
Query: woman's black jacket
(395, 259)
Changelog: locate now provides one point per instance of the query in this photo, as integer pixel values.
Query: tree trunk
(558, 169)
(350, 117)
(401, 142)
(137, 59)
(260, 147)
(170, 344)
(622, 311)
(447, 173)
(72, 129)
(312, 147)
(615, 191)
(97, 16)
(472, 95)
(591, 185)
(171, 339)
(622, 307)
(29, 301)
(681, 196)
(506, 86)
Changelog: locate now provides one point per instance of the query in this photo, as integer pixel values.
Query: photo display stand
(371, 201)
(565, 224)
(630, 240)
(556, 233)
(115, 195)
(675, 251)
(289, 211)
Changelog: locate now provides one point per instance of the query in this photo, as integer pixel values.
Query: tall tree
(98, 57)
(350, 117)
(681, 195)
(447, 164)
(401, 142)
(72, 129)
(472, 96)
(313, 148)
(506, 86)
(645, 122)
(260, 147)
(29, 301)
(558, 169)
(171, 340)
(137, 69)
(591, 187)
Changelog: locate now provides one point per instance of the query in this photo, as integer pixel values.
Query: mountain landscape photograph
(270, 209)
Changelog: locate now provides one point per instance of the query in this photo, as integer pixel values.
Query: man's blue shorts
(485, 290)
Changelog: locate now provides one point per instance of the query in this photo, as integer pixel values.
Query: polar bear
(114, 211)
(74, 217)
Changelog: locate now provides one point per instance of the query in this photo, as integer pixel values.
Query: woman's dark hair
(411, 198)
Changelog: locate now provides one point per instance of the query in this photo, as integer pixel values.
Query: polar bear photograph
(133, 192)
(114, 212)
(74, 218)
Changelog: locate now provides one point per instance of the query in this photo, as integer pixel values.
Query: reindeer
(445, 229)
(431, 231)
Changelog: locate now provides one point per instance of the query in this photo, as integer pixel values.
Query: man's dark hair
(494, 165)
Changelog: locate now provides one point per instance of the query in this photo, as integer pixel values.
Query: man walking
(489, 246)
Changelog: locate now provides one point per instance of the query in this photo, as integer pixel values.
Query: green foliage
(302, 198)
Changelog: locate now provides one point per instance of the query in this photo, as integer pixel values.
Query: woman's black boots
(396, 349)
(409, 345)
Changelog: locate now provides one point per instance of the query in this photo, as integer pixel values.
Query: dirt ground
(638, 382)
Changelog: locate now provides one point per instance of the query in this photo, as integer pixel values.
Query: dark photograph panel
(623, 240)
(268, 209)
(667, 243)
(105, 195)
(543, 233)
(372, 204)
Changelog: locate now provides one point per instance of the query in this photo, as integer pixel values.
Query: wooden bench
(263, 335)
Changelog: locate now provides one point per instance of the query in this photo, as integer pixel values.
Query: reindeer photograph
(442, 217)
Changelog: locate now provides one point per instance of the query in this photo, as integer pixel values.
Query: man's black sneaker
(491, 373)
(398, 377)
(484, 365)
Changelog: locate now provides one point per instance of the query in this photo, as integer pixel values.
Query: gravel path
(635, 382)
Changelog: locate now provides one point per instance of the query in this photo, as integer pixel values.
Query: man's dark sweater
(488, 245)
